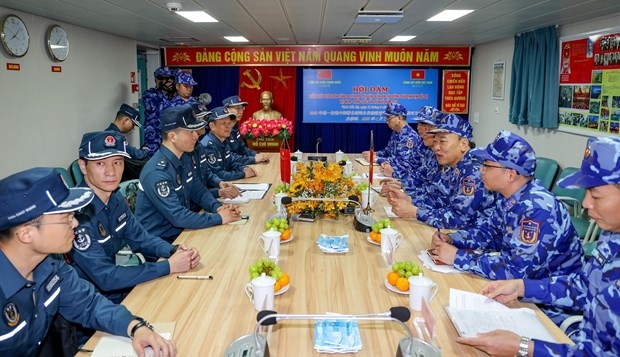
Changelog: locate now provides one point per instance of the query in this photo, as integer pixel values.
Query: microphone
(204, 98)
(255, 345)
(318, 141)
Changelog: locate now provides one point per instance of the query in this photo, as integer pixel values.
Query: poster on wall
(589, 98)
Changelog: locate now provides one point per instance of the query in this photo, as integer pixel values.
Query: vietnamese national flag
(419, 74)
(324, 74)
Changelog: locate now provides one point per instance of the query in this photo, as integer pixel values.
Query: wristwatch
(174, 249)
(141, 323)
(524, 346)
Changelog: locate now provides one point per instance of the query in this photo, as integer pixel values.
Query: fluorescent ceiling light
(236, 39)
(401, 38)
(197, 16)
(449, 15)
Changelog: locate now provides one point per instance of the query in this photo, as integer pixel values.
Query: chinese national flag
(418, 74)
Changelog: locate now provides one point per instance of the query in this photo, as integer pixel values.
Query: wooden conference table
(209, 314)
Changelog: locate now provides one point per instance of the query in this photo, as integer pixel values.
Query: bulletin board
(589, 95)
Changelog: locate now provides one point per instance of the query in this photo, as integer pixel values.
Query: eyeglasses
(493, 166)
(69, 221)
(390, 117)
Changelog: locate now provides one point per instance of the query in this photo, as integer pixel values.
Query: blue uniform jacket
(102, 232)
(237, 146)
(595, 290)
(28, 307)
(221, 160)
(134, 152)
(400, 151)
(163, 201)
(204, 173)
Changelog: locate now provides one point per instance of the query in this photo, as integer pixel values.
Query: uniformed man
(184, 84)
(236, 106)
(457, 198)
(221, 160)
(595, 289)
(153, 100)
(529, 235)
(107, 224)
(126, 119)
(168, 185)
(36, 220)
(396, 158)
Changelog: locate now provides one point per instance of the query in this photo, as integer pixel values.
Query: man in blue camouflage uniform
(153, 100)
(126, 119)
(456, 197)
(168, 185)
(595, 289)
(236, 106)
(184, 84)
(36, 224)
(107, 224)
(396, 158)
(529, 235)
(221, 160)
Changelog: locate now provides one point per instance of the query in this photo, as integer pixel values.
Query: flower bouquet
(266, 128)
(320, 180)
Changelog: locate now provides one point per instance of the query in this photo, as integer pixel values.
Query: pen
(196, 277)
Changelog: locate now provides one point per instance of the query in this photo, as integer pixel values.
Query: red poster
(578, 58)
(455, 98)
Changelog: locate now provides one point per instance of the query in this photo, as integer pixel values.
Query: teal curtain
(534, 87)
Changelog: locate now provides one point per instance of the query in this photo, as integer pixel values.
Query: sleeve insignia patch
(468, 186)
(529, 231)
(163, 189)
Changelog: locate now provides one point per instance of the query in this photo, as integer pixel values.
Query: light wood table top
(209, 314)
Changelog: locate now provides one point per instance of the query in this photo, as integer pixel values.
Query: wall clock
(57, 43)
(14, 36)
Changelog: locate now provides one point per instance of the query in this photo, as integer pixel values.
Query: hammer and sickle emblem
(255, 82)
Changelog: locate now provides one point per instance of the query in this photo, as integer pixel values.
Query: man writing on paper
(529, 234)
(594, 289)
(36, 224)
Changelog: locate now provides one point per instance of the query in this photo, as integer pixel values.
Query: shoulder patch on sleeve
(409, 144)
(163, 189)
(211, 159)
(82, 239)
(468, 186)
(530, 231)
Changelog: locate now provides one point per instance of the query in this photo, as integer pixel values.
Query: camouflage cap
(600, 165)
(162, 72)
(452, 123)
(395, 109)
(428, 115)
(185, 78)
(510, 150)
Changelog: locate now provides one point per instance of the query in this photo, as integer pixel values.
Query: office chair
(545, 171)
(65, 176)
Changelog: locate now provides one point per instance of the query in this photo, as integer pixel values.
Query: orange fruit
(392, 278)
(284, 280)
(286, 234)
(375, 236)
(277, 287)
(402, 284)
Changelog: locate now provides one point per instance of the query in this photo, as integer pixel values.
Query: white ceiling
(310, 22)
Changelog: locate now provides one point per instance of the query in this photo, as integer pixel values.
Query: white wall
(44, 114)
(566, 148)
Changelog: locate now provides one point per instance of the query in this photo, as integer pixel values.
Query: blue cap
(220, 113)
(452, 123)
(29, 194)
(395, 109)
(99, 145)
(233, 101)
(600, 165)
(428, 115)
(162, 72)
(130, 112)
(510, 150)
(200, 110)
(182, 117)
(185, 78)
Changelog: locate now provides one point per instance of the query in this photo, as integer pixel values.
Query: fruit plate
(394, 289)
(283, 289)
(287, 240)
(372, 241)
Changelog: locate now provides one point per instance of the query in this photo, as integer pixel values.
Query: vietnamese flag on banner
(418, 74)
(280, 81)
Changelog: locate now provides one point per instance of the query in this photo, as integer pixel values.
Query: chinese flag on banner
(418, 74)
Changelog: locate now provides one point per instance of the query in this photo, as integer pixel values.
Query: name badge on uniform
(529, 231)
(468, 186)
(122, 217)
(162, 188)
(599, 257)
(10, 314)
(52, 283)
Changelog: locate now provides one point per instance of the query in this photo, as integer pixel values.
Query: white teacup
(339, 156)
(390, 239)
(260, 292)
(421, 287)
(277, 201)
(270, 242)
(373, 197)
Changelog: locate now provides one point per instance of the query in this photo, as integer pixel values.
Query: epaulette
(161, 164)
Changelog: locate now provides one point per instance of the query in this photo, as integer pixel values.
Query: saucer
(394, 289)
(372, 241)
(282, 290)
(287, 240)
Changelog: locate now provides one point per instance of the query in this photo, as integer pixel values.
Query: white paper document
(440, 268)
(253, 186)
(473, 313)
(117, 346)
(388, 212)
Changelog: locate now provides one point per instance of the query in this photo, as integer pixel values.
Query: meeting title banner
(317, 56)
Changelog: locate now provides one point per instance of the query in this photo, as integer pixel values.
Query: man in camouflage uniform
(595, 289)
(529, 235)
(153, 99)
(396, 158)
(184, 84)
(455, 197)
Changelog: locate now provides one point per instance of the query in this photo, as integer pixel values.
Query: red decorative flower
(266, 128)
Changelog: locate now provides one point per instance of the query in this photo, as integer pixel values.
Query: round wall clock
(14, 35)
(57, 43)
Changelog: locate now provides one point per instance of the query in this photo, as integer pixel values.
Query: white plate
(288, 240)
(282, 290)
(393, 288)
(372, 241)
